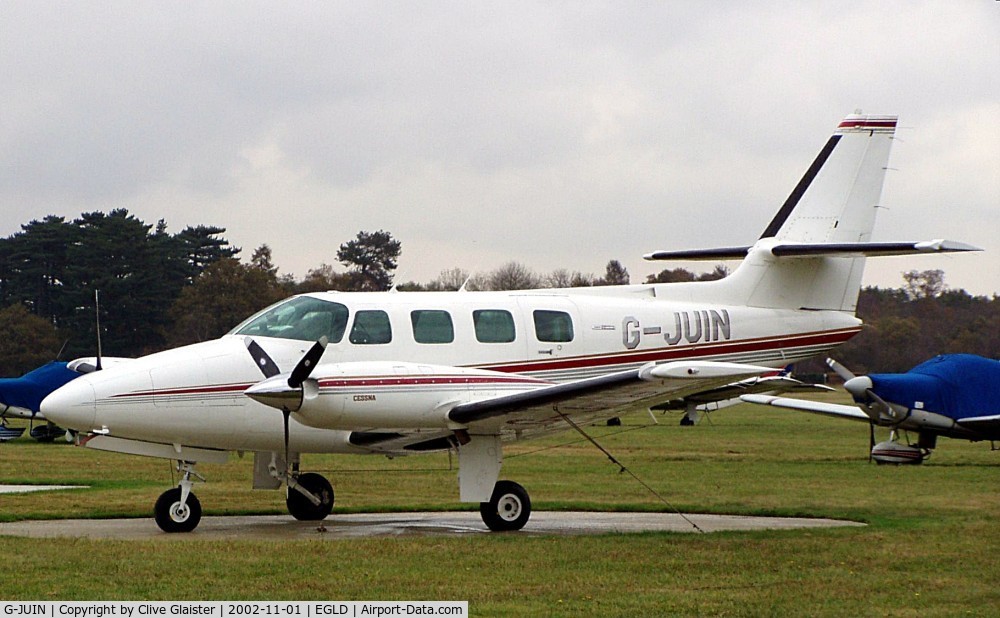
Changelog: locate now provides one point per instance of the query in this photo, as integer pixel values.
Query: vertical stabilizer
(834, 202)
(836, 199)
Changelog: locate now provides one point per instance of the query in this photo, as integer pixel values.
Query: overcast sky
(558, 134)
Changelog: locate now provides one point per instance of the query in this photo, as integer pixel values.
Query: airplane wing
(803, 405)
(542, 410)
(989, 425)
(768, 385)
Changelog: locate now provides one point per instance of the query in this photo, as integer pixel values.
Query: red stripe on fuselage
(685, 352)
(354, 381)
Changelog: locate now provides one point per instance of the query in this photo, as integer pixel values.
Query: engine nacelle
(390, 395)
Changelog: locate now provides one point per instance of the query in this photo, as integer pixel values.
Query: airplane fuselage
(194, 395)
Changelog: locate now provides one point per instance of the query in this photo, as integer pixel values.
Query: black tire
(508, 509)
(302, 508)
(171, 518)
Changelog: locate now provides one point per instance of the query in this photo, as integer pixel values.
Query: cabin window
(432, 326)
(371, 327)
(304, 318)
(553, 326)
(493, 325)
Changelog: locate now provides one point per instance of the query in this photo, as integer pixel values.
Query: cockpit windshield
(303, 318)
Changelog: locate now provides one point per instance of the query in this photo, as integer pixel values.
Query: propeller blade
(267, 366)
(307, 363)
(840, 370)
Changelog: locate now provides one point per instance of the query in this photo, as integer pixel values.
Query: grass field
(932, 547)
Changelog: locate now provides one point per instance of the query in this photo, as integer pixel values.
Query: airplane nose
(72, 406)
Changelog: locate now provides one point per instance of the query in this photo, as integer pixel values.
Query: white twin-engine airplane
(402, 373)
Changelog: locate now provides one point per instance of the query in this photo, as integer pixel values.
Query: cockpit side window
(371, 327)
(303, 318)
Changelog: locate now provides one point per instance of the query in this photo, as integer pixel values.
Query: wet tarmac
(363, 525)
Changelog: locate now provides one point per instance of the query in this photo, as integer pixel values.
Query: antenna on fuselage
(97, 316)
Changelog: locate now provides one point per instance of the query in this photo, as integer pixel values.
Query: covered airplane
(21, 398)
(952, 395)
(396, 373)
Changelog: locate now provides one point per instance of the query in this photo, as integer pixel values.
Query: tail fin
(837, 197)
(834, 202)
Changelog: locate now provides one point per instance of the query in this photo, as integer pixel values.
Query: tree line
(160, 290)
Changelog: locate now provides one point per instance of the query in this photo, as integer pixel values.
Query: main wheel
(172, 517)
(508, 508)
(301, 507)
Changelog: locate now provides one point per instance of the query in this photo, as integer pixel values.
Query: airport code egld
(226, 609)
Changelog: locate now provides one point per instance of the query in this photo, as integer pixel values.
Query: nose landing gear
(177, 509)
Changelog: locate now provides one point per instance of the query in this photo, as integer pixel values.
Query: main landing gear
(508, 508)
(310, 498)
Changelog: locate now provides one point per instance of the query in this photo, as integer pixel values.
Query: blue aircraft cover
(956, 385)
(29, 390)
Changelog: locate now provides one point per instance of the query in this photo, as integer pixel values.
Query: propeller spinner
(283, 391)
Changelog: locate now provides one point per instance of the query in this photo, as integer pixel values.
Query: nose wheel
(173, 514)
(177, 509)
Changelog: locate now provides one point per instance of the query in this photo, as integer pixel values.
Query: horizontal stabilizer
(813, 250)
(803, 405)
(694, 255)
(869, 249)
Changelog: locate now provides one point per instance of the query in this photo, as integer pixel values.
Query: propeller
(280, 390)
(861, 388)
(275, 390)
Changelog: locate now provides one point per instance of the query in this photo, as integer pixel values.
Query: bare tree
(924, 283)
(451, 279)
(513, 276)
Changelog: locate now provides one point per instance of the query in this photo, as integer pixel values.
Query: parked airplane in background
(953, 395)
(402, 373)
(21, 398)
